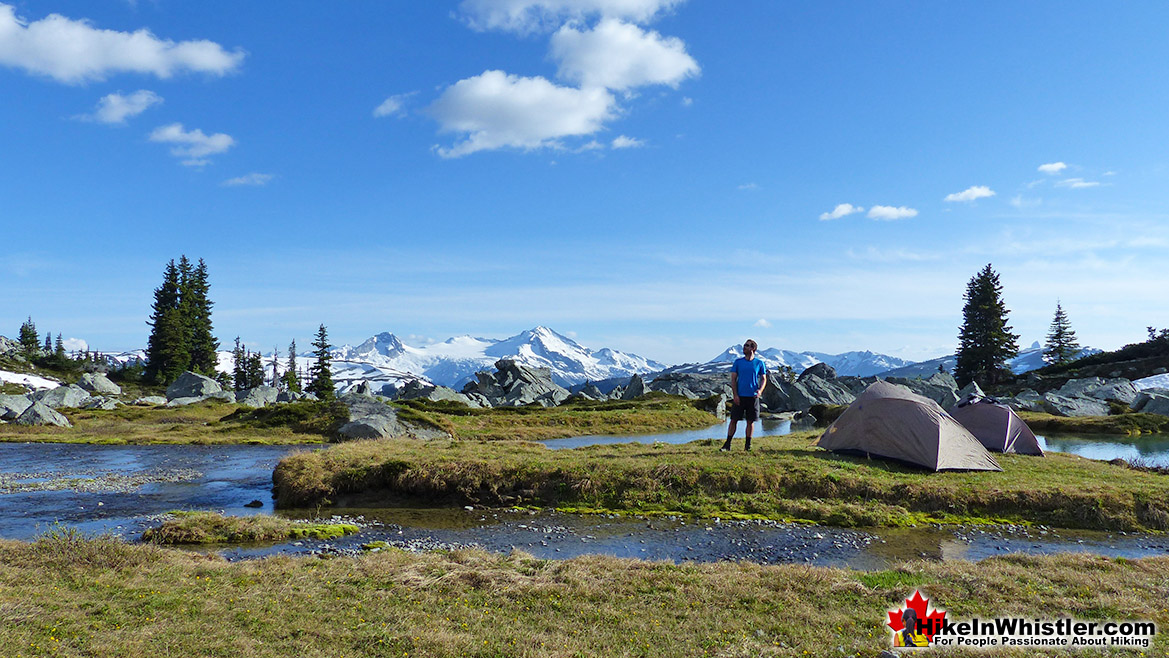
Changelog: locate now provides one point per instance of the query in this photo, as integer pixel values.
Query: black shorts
(747, 409)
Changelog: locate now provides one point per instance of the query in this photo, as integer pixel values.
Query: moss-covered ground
(64, 595)
(1126, 424)
(784, 477)
(213, 528)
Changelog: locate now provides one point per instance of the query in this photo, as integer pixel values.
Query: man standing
(748, 379)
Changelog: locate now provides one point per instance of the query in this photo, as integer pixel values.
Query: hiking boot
(726, 447)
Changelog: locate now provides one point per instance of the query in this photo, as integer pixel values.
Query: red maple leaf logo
(930, 622)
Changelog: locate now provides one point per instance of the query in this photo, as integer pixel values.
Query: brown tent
(887, 420)
(996, 426)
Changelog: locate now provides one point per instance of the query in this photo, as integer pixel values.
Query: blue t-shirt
(751, 374)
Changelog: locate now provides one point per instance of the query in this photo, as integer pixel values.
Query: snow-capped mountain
(860, 364)
(1027, 360)
(455, 361)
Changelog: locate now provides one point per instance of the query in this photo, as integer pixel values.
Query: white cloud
(1052, 167)
(74, 51)
(537, 15)
(116, 108)
(254, 179)
(1077, 183)
(841, 210)
(762, 323)
(74, 344)
(749, 186)
(888, 213)
(1109, 173)
(497, 110)
(618, 55)
(193, 145)
(687, 101)
(623, 142)
(1019, 201)
(971, 193)
(393, 106)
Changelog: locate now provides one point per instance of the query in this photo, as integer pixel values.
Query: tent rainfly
(997, 426)
(890, 421)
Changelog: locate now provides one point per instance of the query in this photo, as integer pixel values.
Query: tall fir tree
(48, 347)
(29, 340)
(321, 373)
(290, 379)
(239, 372)
(985, 341)
(167, 349)
(1061, 346)
(203, 345)
(255, 370)
(59, 348)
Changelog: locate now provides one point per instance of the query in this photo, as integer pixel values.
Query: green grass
(785, 478)
(1129, 424)
(68, 596)
(654, 413)
(212, 528)
(208, 422)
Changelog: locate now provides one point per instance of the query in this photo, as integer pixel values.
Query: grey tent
(890, 421)
(996, 426)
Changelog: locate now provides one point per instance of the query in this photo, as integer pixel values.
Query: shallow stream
(123, 490)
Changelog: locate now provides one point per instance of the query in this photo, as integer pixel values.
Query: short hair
(752, 344)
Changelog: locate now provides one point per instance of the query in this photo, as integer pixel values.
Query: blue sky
(657, 176)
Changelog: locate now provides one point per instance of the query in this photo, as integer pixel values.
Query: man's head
(749, 348)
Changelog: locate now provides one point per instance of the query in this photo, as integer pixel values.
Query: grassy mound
(212, 528)
(63, 598)
(1129, 424)
(783, 478)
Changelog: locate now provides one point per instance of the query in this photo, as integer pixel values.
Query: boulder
(634, 389)
(1026, 400)
(821, 370)
(363, 388)
(12, 406)
(939, 387)
(1059, 405)
(102, 403)
(191, 385)
(370, 418)
(416, 389)
(96, 382)
(693, 385)
(1152, 401)
(591, 392)
(294, 396)
(41, 414)
(260, 396)
(515, 385)
(182, 402)
(151, 400)
(971, 389)
(1118, 389)
(715, 404)
(782, 395)
(71, 396)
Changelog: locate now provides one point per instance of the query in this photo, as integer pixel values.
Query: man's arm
(735, 387)
(762, 385)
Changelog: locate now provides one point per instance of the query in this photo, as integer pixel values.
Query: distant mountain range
(859, 364)
(384, 360)
(1028, 359)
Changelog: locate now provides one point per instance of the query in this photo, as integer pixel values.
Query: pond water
(123, 489)
(1147, 450)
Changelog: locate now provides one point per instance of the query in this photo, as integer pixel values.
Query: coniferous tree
(1061, 346)
(255, 370)
(291, 379)
(48, 348)
(197, 309)
(985, 341)
(29, 340)
(321, 372)
(59, 349)
(239, 366)
(168, 348)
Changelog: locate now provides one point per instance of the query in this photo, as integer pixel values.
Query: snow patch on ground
(1156, 381)
(31, 381)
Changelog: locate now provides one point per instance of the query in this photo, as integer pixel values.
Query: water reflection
(1149, 450)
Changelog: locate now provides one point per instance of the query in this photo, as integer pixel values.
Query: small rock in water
(254, 503)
